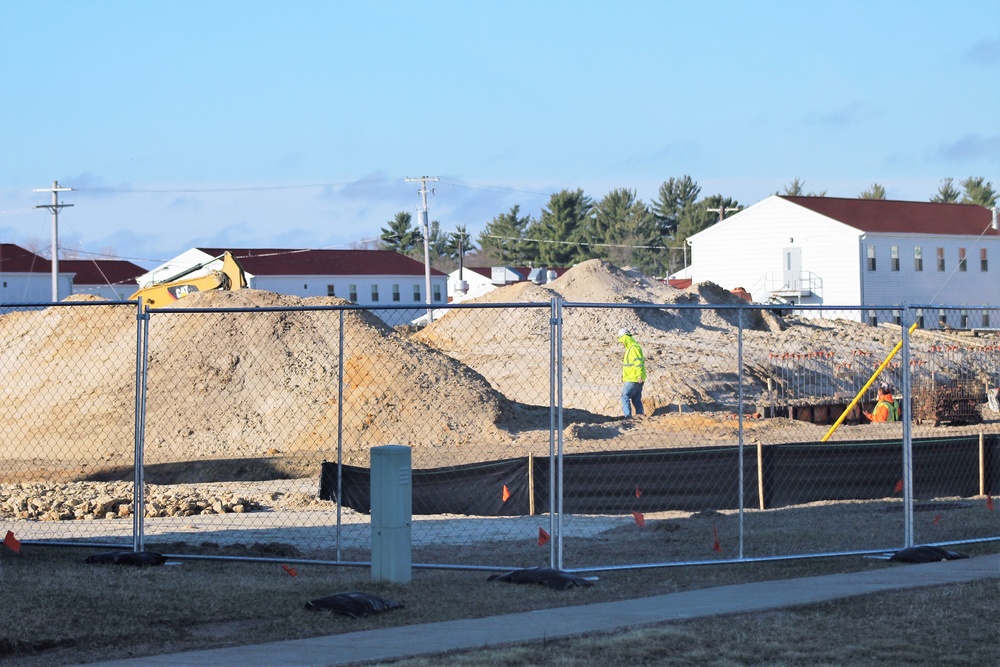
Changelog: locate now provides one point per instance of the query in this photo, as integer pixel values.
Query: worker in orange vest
(885, 409)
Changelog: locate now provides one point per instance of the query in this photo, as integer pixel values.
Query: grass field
(59, 611)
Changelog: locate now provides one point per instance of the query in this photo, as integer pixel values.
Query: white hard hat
(623, 332)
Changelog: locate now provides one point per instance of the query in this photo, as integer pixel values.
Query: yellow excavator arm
(163, 293)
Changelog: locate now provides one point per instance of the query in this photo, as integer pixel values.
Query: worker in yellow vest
(633, 373)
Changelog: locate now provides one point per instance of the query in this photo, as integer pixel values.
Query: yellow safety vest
(633, 363)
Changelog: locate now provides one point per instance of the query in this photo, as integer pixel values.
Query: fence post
(340, 432)
(907, 431)
(739, 404)
(760, 475)
(982, 465)
(556, 434)
(139, 472)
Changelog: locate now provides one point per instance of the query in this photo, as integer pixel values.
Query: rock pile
(103, 500)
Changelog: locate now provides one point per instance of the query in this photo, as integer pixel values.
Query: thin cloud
(847, 116)
(985, 52)
(973, 147)
(678, 150)
(184, 204)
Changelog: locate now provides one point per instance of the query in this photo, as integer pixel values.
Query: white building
(368, 278)
(849, 252)
(112, 279)
(480, 279)
(27, 278)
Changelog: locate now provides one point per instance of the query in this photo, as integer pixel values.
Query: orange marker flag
(989, 503)
(716, 546)
(640, 520)
(638, 493)
(290, 570)
(937, 519)
(12, 542)
(543, 537)
(506, 493)
(899, 486)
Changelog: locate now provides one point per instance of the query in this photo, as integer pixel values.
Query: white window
(871, 258)
(894, 258)
(918, 259)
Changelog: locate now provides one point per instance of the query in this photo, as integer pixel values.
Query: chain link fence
(253, 422)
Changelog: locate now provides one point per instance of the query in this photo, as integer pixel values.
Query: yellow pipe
(878, 371)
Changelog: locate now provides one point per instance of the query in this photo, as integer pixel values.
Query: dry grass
(948, 625)
(58, 610)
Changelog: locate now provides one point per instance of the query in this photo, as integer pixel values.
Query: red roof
(484, 271)
(906, 217)
(101, 271)
(296, 262)
(15, 259)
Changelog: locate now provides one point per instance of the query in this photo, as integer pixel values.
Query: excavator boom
(166, 292)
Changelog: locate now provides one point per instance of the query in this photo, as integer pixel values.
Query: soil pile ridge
(251, 383)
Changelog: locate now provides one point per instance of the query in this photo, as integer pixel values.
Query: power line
(248, 188)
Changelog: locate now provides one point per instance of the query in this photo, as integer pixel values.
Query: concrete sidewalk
(393, 643)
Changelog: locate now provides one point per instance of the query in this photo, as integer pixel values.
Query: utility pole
(721, 211)
(54, 207)
(422, 215)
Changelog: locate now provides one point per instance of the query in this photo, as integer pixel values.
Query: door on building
(793, 268)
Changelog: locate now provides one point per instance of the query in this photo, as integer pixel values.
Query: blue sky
(294, 123)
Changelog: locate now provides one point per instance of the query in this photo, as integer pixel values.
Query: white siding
(33, 287)
(747, 250)
(972, 287)
(478, 283)
(307, 286)
(743, 249)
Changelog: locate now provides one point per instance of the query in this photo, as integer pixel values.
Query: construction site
(252, 388)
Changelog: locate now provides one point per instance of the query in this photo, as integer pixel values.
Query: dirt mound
(244, 382)
(250, 376)
(599, 299)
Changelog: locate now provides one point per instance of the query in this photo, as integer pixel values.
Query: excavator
(165, 292)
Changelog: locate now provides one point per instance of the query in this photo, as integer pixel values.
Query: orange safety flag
(506, 493)
(640, 520)
(899, 486)
(638, 493)
(989, 502)
(543, 537)
(290, 570)
(716, 546)
(12, 542)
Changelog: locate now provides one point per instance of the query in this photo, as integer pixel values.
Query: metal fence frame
(909, 314)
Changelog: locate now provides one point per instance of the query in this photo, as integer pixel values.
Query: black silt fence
(690, 479)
